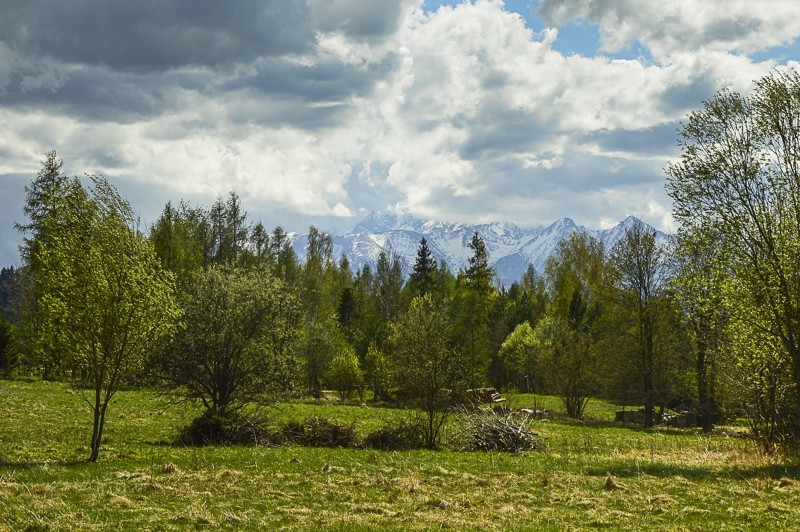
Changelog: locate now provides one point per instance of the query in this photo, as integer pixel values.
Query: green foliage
(104, 301)
(524, 301)
(638, 276)
(736, 184)
(478, 274)
(518, 354)
(423, 275)
(378, 372)
(471, 303)
(179, 237)
(344, 373)
(388, 286)
(7, 347)
(426, 366)
(238, 342)
(10, 296)
(42, 198)
(320, 341)
(569, 361)
(567, 335)
(698, 289)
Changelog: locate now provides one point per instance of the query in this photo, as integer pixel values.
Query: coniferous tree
(472, 303)
(43, 198)
(423, 275)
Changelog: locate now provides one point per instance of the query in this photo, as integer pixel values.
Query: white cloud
(462, 114)
(679, 26)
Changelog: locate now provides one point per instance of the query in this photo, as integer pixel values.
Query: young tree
(344, 373)
(519, 353)
(568, 334)
(569, 361)
(738, 180)
(472, 302)
(639, 273)
(377, 372)
(238, 342)
(104, 300)
(425, 364)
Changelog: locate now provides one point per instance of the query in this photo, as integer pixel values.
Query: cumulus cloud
(677, 26)
(321, 109)
(157, 35)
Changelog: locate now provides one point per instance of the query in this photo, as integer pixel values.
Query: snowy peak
(511, 248)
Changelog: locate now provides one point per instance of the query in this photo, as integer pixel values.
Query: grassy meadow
(594, 474)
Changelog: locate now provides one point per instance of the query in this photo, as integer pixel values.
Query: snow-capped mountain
(511, 248)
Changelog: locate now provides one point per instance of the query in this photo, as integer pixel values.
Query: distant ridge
(511, 248)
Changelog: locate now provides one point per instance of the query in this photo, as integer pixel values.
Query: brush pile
(503, 430)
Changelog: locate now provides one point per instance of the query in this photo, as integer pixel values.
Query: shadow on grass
(629, 469)
(658, 429)
(11, 465)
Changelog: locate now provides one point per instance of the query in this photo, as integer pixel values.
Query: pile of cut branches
(499, 430)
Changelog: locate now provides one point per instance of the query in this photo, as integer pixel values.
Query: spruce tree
(422, 278)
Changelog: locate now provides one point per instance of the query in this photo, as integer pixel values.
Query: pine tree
(422, 279)
(42, 196)
(479, 274)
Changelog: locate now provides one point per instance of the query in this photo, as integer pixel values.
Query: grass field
(594, 474)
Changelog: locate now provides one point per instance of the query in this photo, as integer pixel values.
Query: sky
(320, 111)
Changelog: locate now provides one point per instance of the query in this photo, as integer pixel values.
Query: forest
(211, 308)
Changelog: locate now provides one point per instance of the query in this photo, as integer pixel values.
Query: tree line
(217, 309)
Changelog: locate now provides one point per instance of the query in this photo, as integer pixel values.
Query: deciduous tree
(238, 342)
(738, 181)
(426, 366)
(105, 301)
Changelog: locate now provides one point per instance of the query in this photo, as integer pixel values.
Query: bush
(344, 374)
(491, 430)
(397, 437)
(213, 428)
(320, 432)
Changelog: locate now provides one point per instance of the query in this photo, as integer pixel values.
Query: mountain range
(511, 248)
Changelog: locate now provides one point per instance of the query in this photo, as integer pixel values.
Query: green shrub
(213, 428)
(397, 437)
(318, 431)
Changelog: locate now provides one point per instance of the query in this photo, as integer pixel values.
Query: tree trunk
(97, 431)
(704, 397)
(647, 355)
